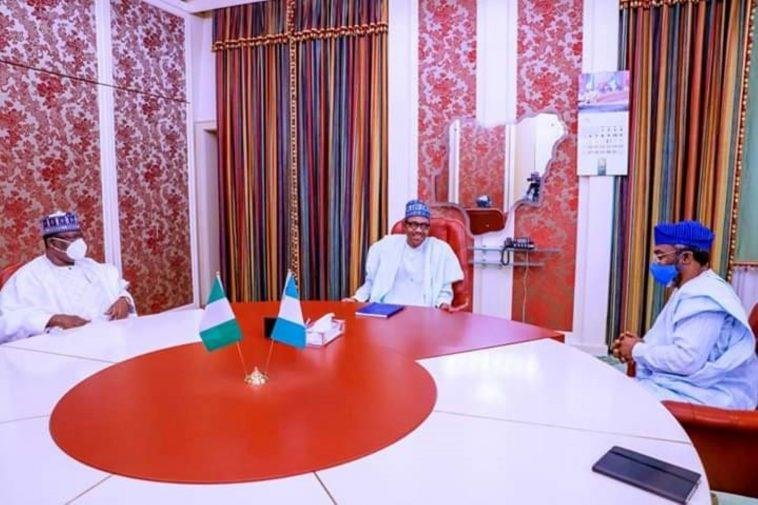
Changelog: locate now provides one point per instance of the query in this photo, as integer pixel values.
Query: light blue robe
(700, 348)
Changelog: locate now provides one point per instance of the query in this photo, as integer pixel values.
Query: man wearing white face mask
(61, 288)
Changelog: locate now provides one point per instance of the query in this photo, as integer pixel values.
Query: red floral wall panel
(447, 83)
(549, 63)
(49, 141)
(49, 158)
(151, 153)
(481, 164)
(148, 49)
(53, 35)
(49, 136)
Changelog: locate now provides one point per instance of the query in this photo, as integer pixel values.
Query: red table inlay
(185, 415)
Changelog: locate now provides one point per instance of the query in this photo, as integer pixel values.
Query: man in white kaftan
(411, 269)
(61, 288)
(701, 348)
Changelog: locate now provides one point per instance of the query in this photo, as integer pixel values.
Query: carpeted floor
(732, 499)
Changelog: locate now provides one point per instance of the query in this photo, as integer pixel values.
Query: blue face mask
(663, 274)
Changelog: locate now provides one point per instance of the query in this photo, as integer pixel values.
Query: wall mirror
(501, 166)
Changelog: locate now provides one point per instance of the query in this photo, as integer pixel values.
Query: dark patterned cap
(59, 222)
(688, 233)
(417, 208)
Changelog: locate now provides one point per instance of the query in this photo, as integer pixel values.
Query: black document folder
(664, 479)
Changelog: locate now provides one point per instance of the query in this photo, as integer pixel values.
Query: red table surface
(185, 415)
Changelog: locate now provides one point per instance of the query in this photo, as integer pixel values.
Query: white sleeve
(118, 286)
(372, 265)
(688, 351)
(20, 317)
(445, 295)
(450, 272)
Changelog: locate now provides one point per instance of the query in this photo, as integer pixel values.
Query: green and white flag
(219, 326)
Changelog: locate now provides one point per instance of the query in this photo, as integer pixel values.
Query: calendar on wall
(603, 129)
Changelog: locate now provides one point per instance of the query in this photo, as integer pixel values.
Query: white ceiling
(194, 6)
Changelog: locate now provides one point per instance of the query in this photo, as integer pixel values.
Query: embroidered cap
(417, 208)
(59, 222)
(688, 233)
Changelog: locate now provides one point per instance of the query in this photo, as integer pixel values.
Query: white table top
(516, 424)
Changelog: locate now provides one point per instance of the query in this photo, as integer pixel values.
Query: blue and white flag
(289, 327)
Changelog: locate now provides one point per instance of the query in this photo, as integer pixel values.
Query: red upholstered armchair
(725, 440)
(9, 270)
(454, 233)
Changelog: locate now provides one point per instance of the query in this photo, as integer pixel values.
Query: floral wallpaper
(148, 49)
(549, 64)
(49, 136)
(447, 83)
(50, 159)
(151, 153)
(52, 35)
(481, 166)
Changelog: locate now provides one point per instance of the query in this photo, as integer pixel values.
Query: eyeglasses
(660, 256)
(415, 225)
(67, 240)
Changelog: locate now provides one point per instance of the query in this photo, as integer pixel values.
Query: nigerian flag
(218, 326)
(289, 327)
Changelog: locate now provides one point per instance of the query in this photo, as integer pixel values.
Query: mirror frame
(436, 175)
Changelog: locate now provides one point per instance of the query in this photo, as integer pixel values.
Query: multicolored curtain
(302, 121)
(688, 66)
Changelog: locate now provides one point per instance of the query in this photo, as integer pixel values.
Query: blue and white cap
(60, 222)
(417, 208)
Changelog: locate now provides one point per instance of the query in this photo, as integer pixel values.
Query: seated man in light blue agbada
(411, 269)
(700, 348)
(62, 288)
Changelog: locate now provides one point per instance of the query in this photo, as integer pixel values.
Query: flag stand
(268, 358)
(258, 378)
(242, 360)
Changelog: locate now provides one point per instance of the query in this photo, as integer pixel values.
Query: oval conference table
(424, 407)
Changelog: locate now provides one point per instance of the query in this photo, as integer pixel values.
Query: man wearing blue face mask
(61, 288)
(700, 348)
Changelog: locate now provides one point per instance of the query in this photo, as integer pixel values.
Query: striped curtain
(302, 121)
(688, 66)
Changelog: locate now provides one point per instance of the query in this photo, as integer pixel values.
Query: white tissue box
(321, 338)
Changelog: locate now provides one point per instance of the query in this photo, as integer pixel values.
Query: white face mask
(77, 249)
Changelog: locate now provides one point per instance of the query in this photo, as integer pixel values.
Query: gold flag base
(257, 378)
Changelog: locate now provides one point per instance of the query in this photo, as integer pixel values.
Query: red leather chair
(454, 233)
(9, 270)
(726, 440)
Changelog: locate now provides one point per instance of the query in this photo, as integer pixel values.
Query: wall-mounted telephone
(519, 243)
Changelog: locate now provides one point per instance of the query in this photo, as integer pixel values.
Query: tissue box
(321, 338)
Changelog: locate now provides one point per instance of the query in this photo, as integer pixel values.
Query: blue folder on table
(377, 309)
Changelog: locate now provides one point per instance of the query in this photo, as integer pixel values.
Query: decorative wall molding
(108, 178)
(402, 182)
(595, 210)
(496, 70)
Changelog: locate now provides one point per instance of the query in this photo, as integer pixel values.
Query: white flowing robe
(441, 270)
(700, 348)
(41, 289)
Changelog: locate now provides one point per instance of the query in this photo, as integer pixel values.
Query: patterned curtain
(302, 119)
(688, 63)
